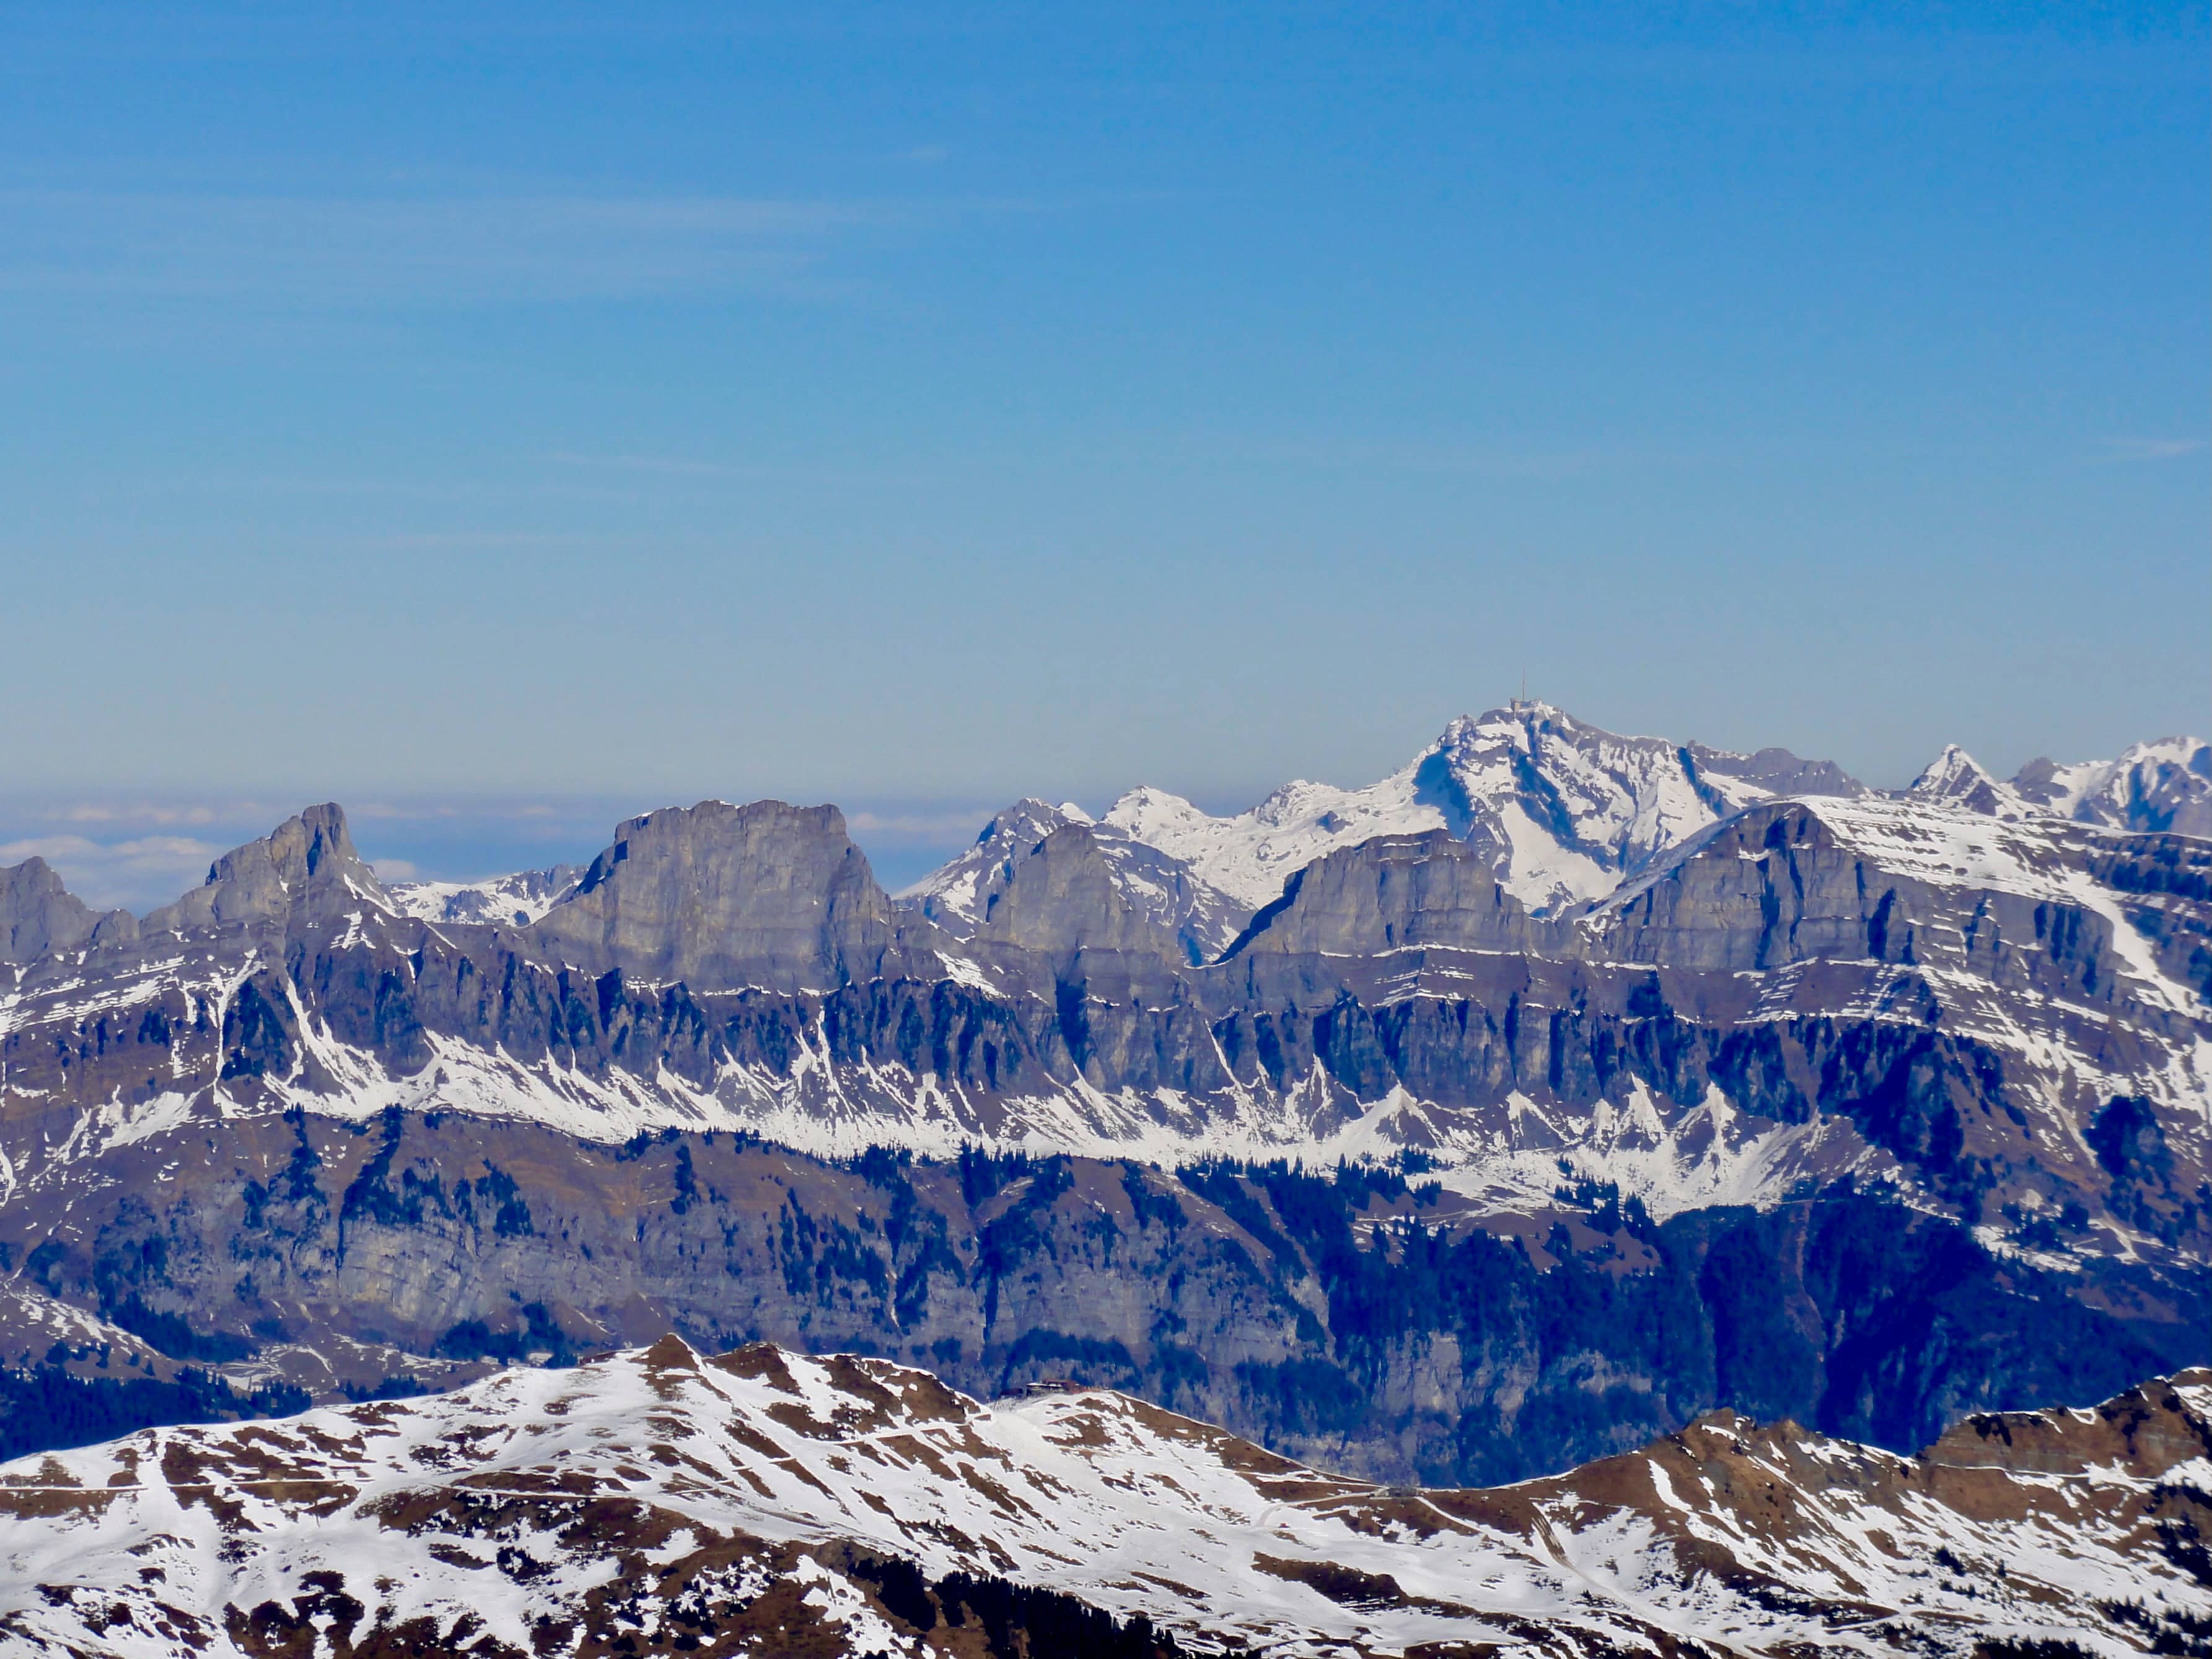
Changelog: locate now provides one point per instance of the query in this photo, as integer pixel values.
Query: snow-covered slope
(1564, 809)
(519, 899)
(763, 1502)
(959, 896)
(1955, 778)
(2163, 787)
(2166, 785)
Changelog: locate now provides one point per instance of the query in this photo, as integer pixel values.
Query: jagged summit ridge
(2164, 786)
(1563, 810)
(1154, 889)
(758, 1495)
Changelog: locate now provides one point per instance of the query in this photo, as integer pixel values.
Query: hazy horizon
(137, 852)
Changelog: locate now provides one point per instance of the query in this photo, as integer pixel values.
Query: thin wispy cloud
(680, 466)
(96, 812)
(473, 541)
(1442, 455)
(674, 466)
(459, 249)
(2152, 449)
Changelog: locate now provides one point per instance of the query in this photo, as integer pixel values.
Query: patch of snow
(1564, 809)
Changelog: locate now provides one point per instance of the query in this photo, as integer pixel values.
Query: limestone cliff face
(717, 897)
(2042, 910)
(287, 1106)
(1132, 893)
(1061, 895)
(304, 873)
(1396, 892)
(1360, 1317)
(39, 915)
(1935, 997)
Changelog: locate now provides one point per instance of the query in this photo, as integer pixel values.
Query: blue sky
(502, 418)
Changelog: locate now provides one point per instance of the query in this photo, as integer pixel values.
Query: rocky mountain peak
(1050, 878)
(1030, 820)
(723, 896)
(2164, 786)
(1391, 893)
(39, 914)
(1957, 778)
(305, 870)
(1565, 810)
(1066, 892)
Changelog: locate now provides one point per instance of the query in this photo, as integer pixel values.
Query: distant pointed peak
(1954, 772)
(1957, 778)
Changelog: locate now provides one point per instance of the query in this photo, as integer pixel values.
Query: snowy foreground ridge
(656, 1500)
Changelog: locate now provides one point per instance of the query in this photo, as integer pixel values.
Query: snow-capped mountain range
(763, 1502)
(1564, 811)
(1523, 836)
(2164, 786)
(722, 1082)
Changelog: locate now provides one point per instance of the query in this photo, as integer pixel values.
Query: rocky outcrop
(304, 873)
(39, 915)
(1061, 894)
(720, 896)
(1145, 898)
(2018, 908)
(1396, 892)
